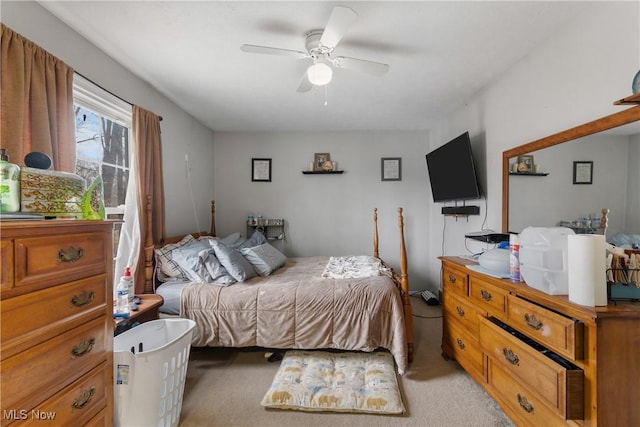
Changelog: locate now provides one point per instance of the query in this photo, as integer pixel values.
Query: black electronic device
(489, 237)
(429, 298)
(461, 210)
(452, 172)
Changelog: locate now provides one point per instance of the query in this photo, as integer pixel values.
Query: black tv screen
(452, 171)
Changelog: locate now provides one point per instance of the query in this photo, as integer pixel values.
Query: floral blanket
(350, 267)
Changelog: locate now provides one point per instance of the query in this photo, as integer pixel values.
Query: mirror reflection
(547, 189)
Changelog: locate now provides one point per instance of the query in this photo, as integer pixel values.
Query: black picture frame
(391, 168)
(260, 170)
(583, 172)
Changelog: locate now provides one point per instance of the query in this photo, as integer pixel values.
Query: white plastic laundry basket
(150, 366)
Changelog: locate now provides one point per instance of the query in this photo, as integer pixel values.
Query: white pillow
(264, 258)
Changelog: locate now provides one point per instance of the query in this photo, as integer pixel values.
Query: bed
(345, 303)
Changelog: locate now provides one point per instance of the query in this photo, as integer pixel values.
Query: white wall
(571, 79)
(329, 214)
(181, 133)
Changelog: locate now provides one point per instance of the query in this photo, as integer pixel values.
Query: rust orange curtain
(148, 158)
(36, 103)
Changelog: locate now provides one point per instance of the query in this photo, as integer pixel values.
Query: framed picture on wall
(391, 168)
(525, 164)
(320, 160)
(261, 170)
(583, 172)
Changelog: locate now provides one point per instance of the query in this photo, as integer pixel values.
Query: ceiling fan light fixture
(319, 74)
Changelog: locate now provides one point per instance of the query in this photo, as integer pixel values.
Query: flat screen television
(452, 171)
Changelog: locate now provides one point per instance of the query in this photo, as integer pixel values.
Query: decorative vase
(635, 86)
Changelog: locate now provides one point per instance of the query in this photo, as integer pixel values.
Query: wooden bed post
(212, 228)
(604, 222)
(404, 282)
(375, 233)
(148, 249)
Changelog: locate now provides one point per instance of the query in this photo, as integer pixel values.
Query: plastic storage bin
(544, 257)
(150, 367)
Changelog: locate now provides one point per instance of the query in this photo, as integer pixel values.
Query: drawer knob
(524, 403)
(83, 399)
(83, 348)
(510, 356)
(70, 255)
(460, 343)
(460, 311)
(486, 295)
(452, 278)
(83, 299)
(532, 321)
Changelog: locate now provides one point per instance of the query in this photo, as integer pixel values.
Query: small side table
(148, 309)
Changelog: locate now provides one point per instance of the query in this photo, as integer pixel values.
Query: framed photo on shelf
(261, 170)
(391, 168)
(320, 160)
(583, 172)
(525, 164)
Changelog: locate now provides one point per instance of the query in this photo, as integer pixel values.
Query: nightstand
(148, 309)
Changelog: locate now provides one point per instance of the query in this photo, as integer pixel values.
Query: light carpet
(224, 387)
(338, 382)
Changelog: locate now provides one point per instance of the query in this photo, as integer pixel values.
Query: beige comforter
(295, 308)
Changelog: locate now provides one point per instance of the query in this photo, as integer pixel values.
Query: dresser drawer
(488, 296)
(42, 314)
(6, 264)
(462, 310)
(464, 348)
(553, 379)
(51, 260)
(454, 280)
(78, 404)
(562, 334)
(53, 364)
(526, 405)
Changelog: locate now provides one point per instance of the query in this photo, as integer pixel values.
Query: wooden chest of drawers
(545, 360)
(56, 324)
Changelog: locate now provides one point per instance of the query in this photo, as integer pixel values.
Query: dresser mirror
(572, 175)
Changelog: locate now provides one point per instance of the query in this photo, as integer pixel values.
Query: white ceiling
(440, 54)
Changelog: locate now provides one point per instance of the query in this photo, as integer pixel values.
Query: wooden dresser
(545, 360)
(56, 304)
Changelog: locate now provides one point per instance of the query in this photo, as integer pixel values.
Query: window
(103, 135)
(103, 123)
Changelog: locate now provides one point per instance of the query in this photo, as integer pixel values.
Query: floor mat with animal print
(341, 382)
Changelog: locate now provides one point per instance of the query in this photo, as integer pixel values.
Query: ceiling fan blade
(369, 67)
(341, 19)
(305, 84)
(251, 48)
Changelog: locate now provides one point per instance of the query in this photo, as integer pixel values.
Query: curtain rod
(106, 90)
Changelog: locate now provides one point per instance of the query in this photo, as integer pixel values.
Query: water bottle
(122, 295)
(514, 258)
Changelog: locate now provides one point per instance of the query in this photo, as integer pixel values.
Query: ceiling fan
(320, 45)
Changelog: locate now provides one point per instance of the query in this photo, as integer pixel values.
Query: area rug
(338, 382)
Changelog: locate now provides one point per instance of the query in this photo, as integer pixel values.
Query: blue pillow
(233, 261)
(256, 239)
(264, 258)
(218, 274)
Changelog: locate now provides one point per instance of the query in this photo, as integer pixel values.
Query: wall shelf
(321, 172)
(629, 100)
(528, 173)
